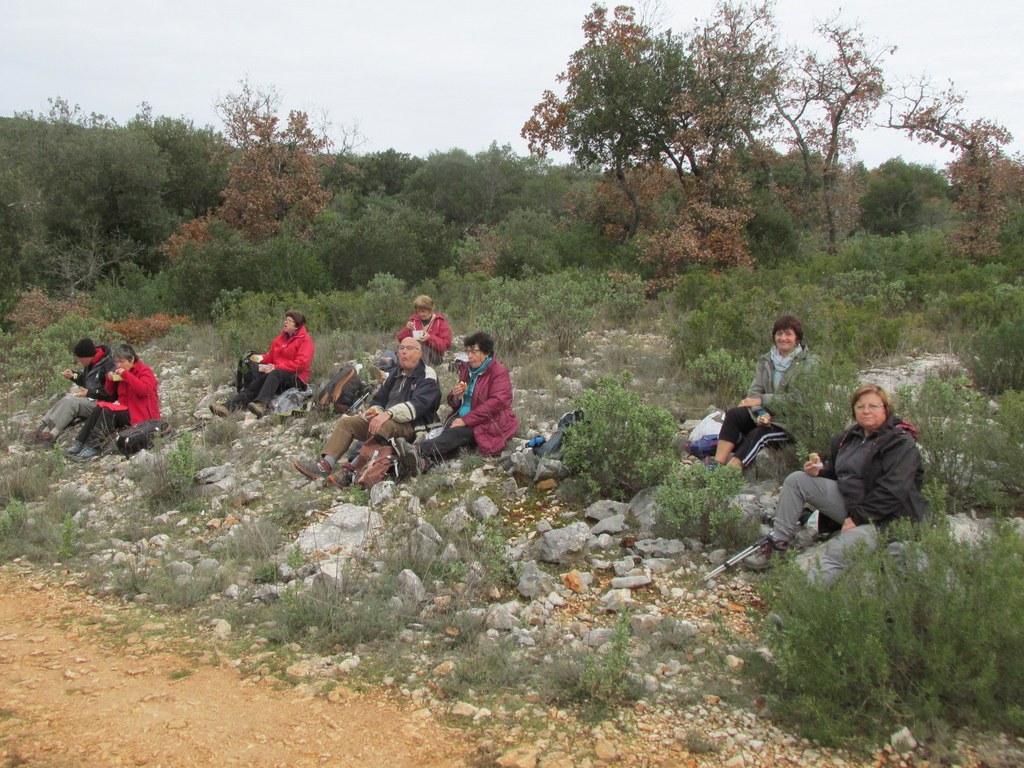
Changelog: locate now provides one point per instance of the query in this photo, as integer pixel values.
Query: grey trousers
(822, 494)
(65, 411)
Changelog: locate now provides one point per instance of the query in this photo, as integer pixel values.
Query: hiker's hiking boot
(408, 458)
(75, 448)
(770, 548)
(342, 477)
(260, 409)
(314, 470)
(41, 437)
(88, 452)
(220, 410)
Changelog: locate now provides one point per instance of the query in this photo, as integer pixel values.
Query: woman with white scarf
(750, 426)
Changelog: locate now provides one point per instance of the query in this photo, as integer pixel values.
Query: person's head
(84, 351)
(124, 355)
(870, 406)
(409, 353)
(293, 320)
(424, 307)
(479, 346)
(787, 333)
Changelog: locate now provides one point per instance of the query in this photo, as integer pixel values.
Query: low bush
(724, 377)
(958, 439)
(996, 355)
(931, 636)
(621, 445)
(695, 502)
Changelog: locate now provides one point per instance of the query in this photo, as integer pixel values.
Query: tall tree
(275, 172)
(981, 174)
(823, 100)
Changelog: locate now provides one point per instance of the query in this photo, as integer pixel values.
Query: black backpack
(138, 436)
(246, 370)
(339, 392)
(552, 447)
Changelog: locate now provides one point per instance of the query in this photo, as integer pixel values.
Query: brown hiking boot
(770, 549)
(220, 410)
(260, 409)
(314, 470)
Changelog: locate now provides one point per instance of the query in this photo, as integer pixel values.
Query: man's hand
(67, 374)
(848, 524)
(379, 421)
(83, 392)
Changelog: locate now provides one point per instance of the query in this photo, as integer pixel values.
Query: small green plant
(621, 445)
(68, 537)
(599, 679)
(695, 502)
(927, 636)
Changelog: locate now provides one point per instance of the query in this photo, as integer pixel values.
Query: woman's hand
(458, 423)
(411, 325)
(764, 419)
(459, 389)
(424, 338)
(813, 466)
(750, 402)
(266, 367)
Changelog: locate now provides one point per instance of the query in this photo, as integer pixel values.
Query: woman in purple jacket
(481, 406)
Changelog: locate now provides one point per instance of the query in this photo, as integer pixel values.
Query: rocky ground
(575, 570)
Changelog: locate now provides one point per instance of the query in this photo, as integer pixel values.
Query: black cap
(85, 348)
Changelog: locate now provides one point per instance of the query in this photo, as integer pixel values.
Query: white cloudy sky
(426, 75)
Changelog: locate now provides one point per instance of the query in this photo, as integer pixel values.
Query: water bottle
(533, 442)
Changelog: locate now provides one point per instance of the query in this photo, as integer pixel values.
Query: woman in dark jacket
(873, 478)
(133, 388)
(481, 413)
(286, 365)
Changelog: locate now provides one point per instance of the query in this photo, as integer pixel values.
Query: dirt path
(71, 697)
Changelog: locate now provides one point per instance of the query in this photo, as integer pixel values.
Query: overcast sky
(426, 75)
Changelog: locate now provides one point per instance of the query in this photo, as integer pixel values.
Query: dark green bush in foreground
(622, 445)
(934, 636)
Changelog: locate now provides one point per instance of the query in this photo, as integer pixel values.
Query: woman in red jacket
(481, 414)
(134, 388)
(286, 365)
(429, 328)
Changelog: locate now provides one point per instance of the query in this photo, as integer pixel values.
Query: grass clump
(926, 639)
(599, 680)
(621, 445)
(700, 504)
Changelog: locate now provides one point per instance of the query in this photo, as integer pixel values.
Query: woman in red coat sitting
(133, 386)
(429, 328)
(481, 414)
(286, 365)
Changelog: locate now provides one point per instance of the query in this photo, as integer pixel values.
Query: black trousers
(445, 445)
(263, 388)
(747, 435)
(101, 424)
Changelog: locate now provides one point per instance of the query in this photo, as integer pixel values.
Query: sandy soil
(73, 693)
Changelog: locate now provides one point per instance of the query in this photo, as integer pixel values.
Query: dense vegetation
(693, 217)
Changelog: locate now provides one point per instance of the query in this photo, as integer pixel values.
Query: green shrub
(568, 303)
(820, 407)
(28, 477)
(931, 636)
(996, 355)
(39, 534)
(958, 439)
(621, 445)
(697, 503)
(722, 375)
(513, 327)
(37, 359)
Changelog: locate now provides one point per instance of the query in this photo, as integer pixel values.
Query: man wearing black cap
(96, 363)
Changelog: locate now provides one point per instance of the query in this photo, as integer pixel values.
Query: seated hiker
(873, 478)
(96, 363)
(481, 413)
(752, 424)
(133, 389)
(405, 406)
(286, 365)
(429, 328)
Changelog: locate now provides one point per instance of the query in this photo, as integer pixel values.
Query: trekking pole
(735, 560)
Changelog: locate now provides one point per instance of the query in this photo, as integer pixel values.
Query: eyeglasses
(408, 347)
(868, 407)
(474, 351)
